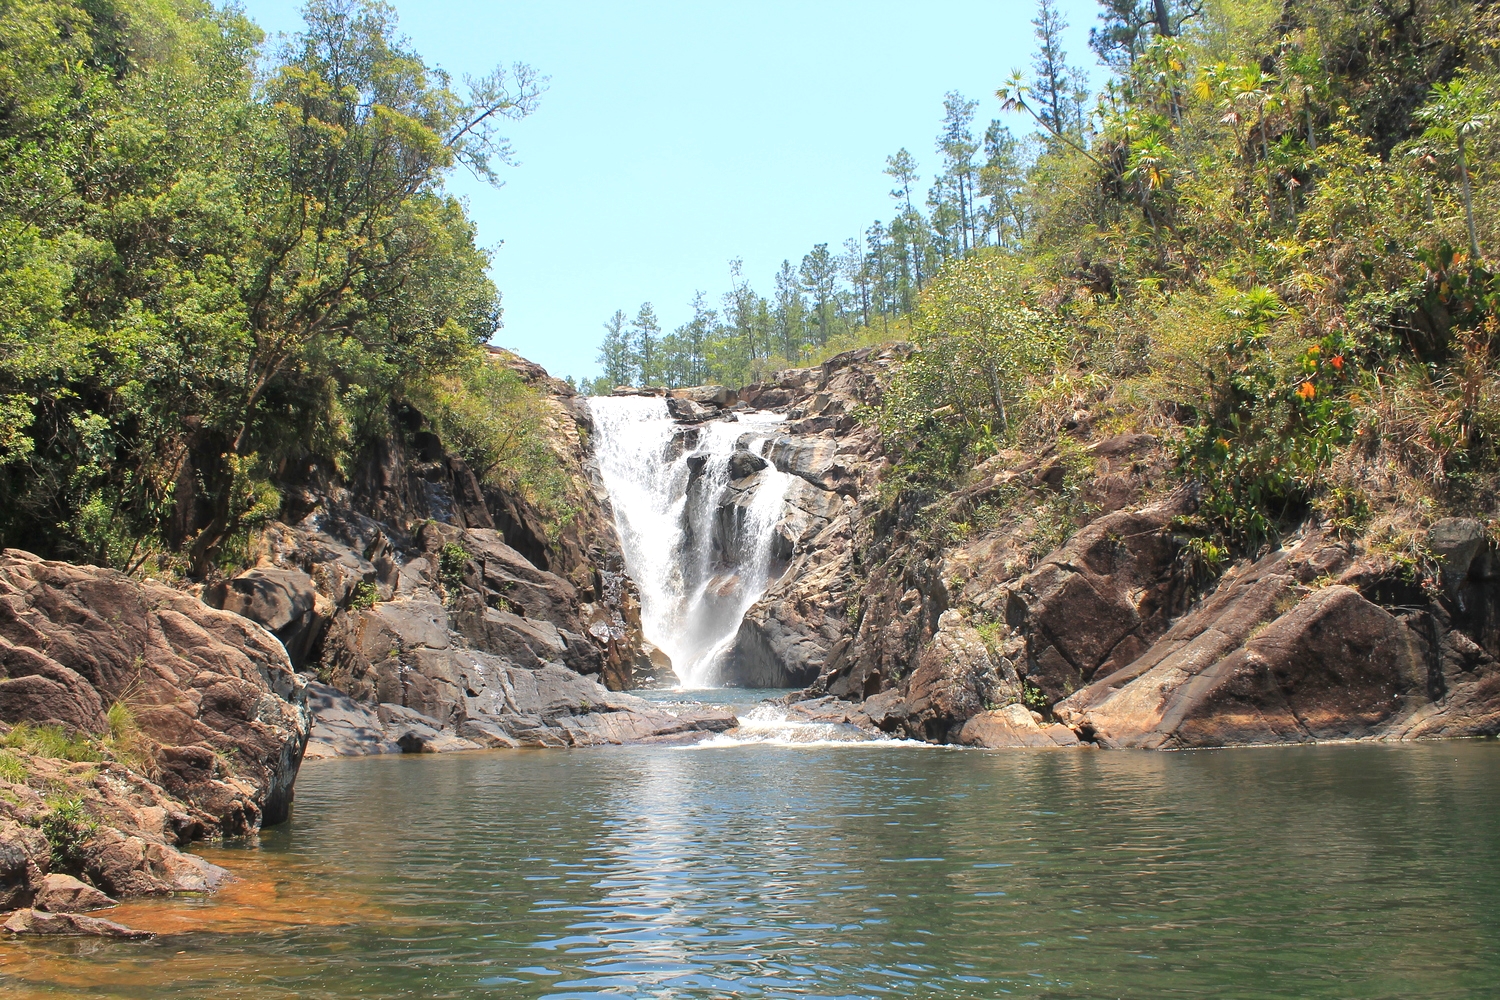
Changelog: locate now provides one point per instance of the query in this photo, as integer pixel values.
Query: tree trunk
(1463, 173)
(1163, 18)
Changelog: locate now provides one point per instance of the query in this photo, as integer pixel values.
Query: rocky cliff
(1061, 596)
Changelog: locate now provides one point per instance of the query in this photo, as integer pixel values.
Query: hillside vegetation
(1270, 239)
(222, 262)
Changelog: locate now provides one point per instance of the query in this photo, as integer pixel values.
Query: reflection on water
(854, 871)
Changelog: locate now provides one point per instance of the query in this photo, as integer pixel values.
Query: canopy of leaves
(212, 265)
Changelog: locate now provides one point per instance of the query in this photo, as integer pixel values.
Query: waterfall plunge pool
(860, 871)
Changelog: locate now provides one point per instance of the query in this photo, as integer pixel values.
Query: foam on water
(770, 725)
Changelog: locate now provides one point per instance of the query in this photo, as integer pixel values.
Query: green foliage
(453, 562)
(210, 267)
(67, 825)
(126, 743)
(1033, 697)
(11, 768)
(50, 741)
(984, 348)
(497, 423)
(1253, 255)
(364, 596)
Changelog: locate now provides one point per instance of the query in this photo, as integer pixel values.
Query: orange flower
(1314, 349)
(1337, 361)
(1308, 390)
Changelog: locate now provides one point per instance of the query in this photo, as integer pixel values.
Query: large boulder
(1099, 601)
(214, 692)
(1334, 667)
(1014, 726)
(60, 893)
(955, 680)
(283, 600)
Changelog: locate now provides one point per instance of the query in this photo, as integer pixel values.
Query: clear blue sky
(676, 136)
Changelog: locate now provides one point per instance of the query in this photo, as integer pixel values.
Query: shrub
(364, 597)
(67, 826)
(11, 768)
(453, 560)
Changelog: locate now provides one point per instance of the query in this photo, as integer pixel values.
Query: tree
(957, 146)
(694, 337)
(789, 318)
(857, 272)
(1002, 179)
(739, 309)
(1456, 111)
(615, 355)
(819, 275)
(645, 339)
(1052, 77)
(1121, 34)
(908, 229)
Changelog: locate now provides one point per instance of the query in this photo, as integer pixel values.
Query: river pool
(841, 871)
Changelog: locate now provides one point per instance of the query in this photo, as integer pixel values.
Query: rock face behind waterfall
(970, 626)
(438, 614)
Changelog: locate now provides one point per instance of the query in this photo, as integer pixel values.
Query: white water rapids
(696, 543)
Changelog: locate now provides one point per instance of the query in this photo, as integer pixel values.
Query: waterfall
(696, 507)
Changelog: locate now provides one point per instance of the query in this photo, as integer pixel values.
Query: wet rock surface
(36, 923)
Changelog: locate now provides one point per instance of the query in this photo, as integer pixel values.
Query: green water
(767, 871)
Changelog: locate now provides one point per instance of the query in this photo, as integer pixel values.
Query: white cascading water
(696, 577)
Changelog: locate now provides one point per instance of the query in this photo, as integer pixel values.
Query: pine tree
(957, 146)
(694, 336)
(907, 229)
(615, 354)
(790, 317)
(645, 340)
(1002, 179)
(819, 276)
(1052, 82)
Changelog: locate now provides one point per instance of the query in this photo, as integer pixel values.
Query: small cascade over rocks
(696, 507)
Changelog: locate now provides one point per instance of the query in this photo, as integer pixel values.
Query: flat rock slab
(40, 924)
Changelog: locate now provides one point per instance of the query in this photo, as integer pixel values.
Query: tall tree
(819, 276)
(615, 355)
(645, 340)
(789, 319)
(1002, 179)
(856, 268)
(1052, 77)
(907, 230)
(739, 309)
(956, 144)
(694, 336)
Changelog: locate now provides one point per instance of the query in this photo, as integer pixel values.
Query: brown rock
(24, 853)
(1335, 667)
(954, 681)
(37, 923)
(283, 600)
(1096, 603)
(196, 677)
(65, 894)
(1014, 726)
